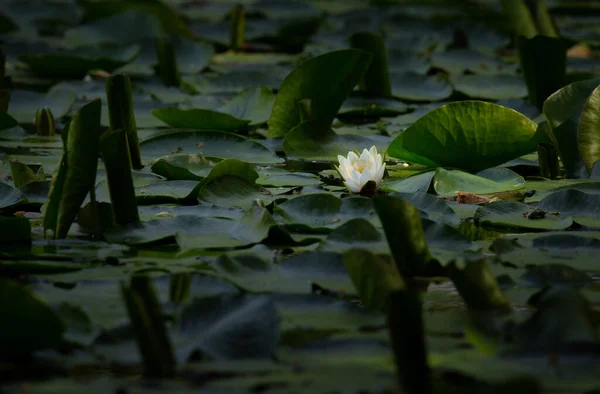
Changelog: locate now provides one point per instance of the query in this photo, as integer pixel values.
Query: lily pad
(208, 143)
(314, 140)
(77, 64)
(582, 207)
(492, 180)
(24, 104)
(323, 211)
(491, 87)
(417, 87)
(470, 135)
(513, 214)
(199, 119)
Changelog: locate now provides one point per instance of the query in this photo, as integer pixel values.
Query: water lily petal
(352, 157)
(379, 176)
(373, 151)
(365, 177)
(353, 187)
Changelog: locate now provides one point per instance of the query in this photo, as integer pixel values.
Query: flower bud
(44, 122)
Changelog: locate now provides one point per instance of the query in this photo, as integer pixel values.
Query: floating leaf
(314, 140)
(492, 180)
(208, 143)
(514, 214)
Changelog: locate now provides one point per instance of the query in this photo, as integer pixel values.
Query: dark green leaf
(376, 81)
(30, 324)
(115, 155)
(200, 119)
(326, 80)
(120, 112)
(403, 230)
(544, 64)
(76, 174)
(470, 135)
(374, 278)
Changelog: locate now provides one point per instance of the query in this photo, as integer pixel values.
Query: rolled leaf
(166, 69)
(404, 233)
(148, 325)
(374, 278)
(376, 81)
(121, 115)
(115, 154)
(237, 27)
(76, 173)
(23, 174)
(478, 287)
(544, 64)
(44, 122)
(405, 323)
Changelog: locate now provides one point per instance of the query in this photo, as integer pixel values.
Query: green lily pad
(491, 87)
(252, 228)
(180, 166)
(77, 64)
(252, 104)
(251, 107)
(492, 180)
(458, 61)
(278, 177)
(322, 211)
(357, 106)
(208, 143)
(199, 119)
(431, 207)
(232, 191)
(235, 81)
(417, 87)
(582, 207)
(24, 104)
(470, 135)
(513, 214)
(415, 183)
(355, 234)
(197, 232)
(314, 140)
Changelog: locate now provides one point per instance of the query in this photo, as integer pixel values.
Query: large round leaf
(470, 135)
(326, 80)
(208, 143)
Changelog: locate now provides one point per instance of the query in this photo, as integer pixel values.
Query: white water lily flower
(358, 170)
